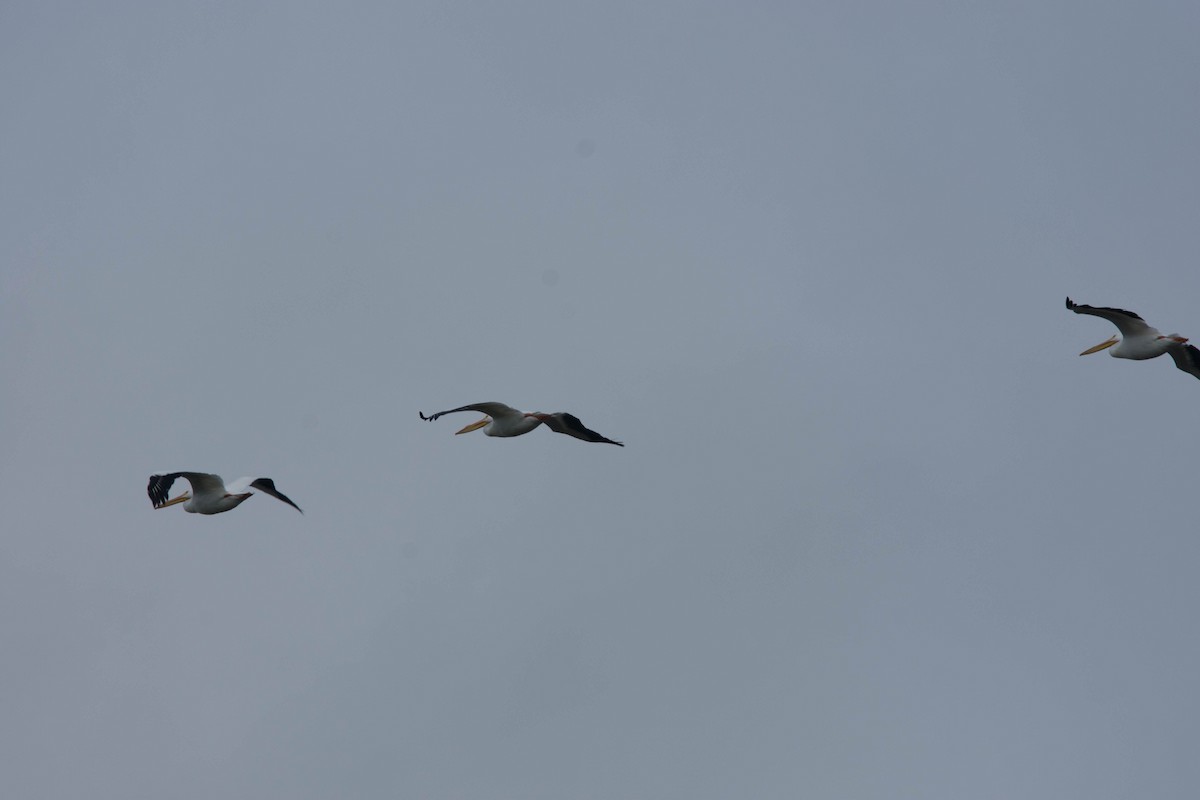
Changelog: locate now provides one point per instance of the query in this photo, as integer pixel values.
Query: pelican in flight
(502, 420)
(209, 493)
(1140, 341)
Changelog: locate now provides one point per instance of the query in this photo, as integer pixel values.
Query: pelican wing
(1127, 322)
(267, 486)
(562, 422)
(1187, 358)
(493, 410)
(202, 483)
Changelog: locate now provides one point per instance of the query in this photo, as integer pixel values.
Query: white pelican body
(502, 420)
(209, 495)
(1138, 340)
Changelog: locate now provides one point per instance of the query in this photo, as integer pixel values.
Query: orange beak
(1102, 346)
(474, 426)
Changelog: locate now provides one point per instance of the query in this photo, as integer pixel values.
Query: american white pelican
(209, 494)
(502, 420)
(1140, 341)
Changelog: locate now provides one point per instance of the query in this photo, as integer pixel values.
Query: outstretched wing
(1127, 322)
(562, 422)
(493, 410)
(201, 482)
(267, 486)
(1187, 358)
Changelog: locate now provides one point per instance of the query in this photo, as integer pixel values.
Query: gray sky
(872, 535)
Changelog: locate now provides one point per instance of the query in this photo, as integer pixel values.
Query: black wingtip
(267, 485)
(159, 489)
(422, 416)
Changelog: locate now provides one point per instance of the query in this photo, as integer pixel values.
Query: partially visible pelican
(502, 420)
(209, 494)
(1140, 341)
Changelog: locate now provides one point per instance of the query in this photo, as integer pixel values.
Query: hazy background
(877, 532)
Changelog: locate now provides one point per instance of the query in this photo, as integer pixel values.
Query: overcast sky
(875, 531)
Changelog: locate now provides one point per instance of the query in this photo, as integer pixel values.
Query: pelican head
(474, 426)
(180, 499)
(1107, 343)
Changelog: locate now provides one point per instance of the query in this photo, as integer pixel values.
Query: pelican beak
(1102, 346)
(474, 426)
(179, 499)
